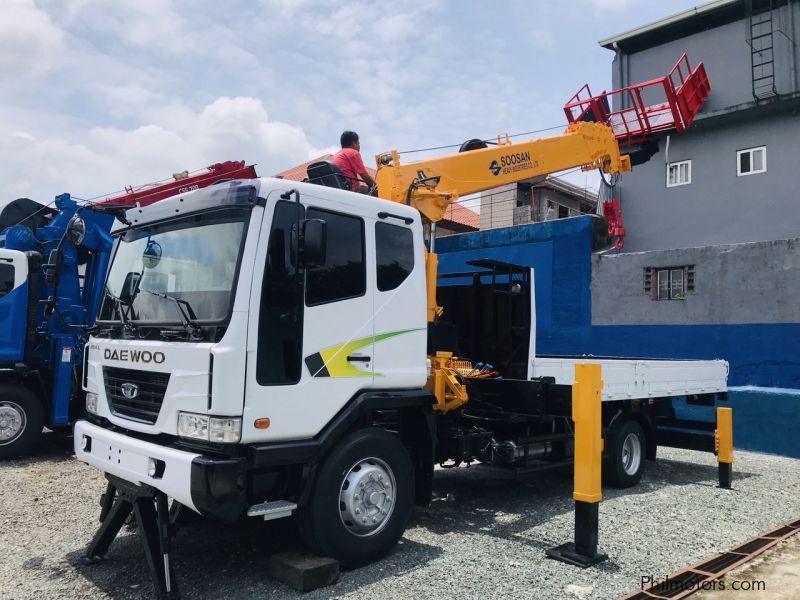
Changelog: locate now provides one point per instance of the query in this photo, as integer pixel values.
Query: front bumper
(211, 486)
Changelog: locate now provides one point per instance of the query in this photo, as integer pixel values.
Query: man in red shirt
(348, 159)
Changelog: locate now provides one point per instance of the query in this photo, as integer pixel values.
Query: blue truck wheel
(21, 420)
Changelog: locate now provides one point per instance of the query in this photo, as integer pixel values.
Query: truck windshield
(192, 260)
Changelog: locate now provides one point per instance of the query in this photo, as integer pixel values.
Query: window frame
(750, 151)
(677, 164)
(363, 255)
(667, 276)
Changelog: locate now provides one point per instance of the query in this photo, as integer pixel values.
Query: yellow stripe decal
(332, 361)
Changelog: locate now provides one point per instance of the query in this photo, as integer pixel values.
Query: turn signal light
(262, 423)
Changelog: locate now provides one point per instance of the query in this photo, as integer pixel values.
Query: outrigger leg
(152, 517)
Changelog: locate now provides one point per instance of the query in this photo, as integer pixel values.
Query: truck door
(400, 319)
(13, 305)
(310, 338)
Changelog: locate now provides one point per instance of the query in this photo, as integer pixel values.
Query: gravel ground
(483, 536)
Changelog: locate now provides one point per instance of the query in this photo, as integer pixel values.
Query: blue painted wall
(560, 252)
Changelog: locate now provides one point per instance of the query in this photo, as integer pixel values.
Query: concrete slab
(304, 572)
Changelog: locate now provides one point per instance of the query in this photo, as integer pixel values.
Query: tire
(624, 462)
(369, 472)
(21, 420)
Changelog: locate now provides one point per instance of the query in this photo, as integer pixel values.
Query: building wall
(726, 54)
(737, 284)
(717, 207)
(497, 206)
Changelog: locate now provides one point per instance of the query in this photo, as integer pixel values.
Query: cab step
(277, 509)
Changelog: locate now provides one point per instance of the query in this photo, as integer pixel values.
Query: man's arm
(367, 178)
(361, 170)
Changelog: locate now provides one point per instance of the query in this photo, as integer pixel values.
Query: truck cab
(245, 329)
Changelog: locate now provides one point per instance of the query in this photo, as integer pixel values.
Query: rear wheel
(624, 462)
(361, 500)
(21, 420)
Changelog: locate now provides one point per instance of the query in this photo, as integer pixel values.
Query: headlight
(91, 402)
(226, 430)
(211, 429)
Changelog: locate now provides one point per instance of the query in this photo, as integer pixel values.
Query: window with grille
(751, 161)
(669, 283)
(679, 173)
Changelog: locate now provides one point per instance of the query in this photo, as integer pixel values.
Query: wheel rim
(631, 454)
(12, 422)
(367, 497)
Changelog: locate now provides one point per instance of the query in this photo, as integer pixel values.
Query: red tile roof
(463, 215)
(455, 213)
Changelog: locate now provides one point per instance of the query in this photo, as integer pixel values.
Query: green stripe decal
(332, 361)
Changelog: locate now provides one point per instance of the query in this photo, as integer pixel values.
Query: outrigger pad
(152, 516)
(566, 553)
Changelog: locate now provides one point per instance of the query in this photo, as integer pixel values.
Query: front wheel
(21, 420)
(361, 500)
(624, 462)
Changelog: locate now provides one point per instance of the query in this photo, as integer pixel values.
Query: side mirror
(52, 268)
(151, 255)
(314, 241)
(130, 288)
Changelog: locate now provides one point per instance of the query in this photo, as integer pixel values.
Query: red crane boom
(180, 183)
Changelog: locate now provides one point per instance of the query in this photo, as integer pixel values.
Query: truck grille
(135, 394)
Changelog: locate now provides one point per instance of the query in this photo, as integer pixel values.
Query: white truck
(262, 351)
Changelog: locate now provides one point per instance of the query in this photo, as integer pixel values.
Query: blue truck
(53, 263)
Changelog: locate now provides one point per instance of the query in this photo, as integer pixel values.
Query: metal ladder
(762, 51)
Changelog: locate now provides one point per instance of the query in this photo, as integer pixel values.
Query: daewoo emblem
(129, 390)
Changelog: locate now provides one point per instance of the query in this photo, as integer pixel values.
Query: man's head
(349, 139)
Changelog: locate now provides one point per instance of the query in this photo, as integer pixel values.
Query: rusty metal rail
(689, 580)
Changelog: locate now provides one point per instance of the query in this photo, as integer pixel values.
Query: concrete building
(732, 176)
(533, 201)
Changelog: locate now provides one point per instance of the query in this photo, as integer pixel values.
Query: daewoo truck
(268, 348)
(264, 351)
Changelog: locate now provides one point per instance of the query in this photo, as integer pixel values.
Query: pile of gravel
(484, 535)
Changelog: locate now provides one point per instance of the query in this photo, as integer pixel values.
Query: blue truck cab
(53, 262)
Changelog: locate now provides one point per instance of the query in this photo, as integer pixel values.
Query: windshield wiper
(188, 316)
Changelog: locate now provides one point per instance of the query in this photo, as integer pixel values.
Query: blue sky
(95, 95)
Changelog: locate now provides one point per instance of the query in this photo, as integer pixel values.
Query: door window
(344, 273)
(6, 279)
(394, 247)
(280, 322)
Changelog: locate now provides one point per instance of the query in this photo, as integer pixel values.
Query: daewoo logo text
(136, 356)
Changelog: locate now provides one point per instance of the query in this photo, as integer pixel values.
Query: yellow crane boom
(432, 184)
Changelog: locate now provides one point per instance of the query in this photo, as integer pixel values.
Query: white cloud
(29, 41)
(106, 159)
(605, 6)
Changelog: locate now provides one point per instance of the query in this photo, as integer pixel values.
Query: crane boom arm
(433, 184)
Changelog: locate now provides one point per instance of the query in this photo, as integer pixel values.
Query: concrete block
(304, 572)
